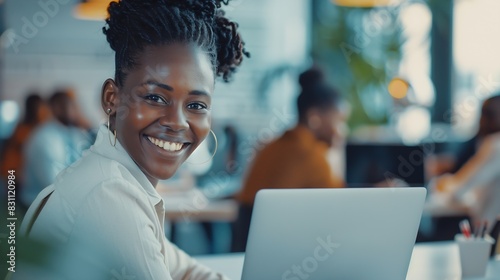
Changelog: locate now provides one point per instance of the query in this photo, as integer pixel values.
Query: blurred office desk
(183, 202)
(194, 205)
(190, 204)
(429, 261)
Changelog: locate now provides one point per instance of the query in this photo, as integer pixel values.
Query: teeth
(168, 146)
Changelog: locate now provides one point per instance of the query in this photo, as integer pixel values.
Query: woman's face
(43, 112)
(327, 125)
(162, 111)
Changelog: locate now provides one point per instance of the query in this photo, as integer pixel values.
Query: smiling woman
(103, 216)
(164, 116)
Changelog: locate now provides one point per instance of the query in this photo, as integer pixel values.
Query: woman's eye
(155, 98)
(197, 106)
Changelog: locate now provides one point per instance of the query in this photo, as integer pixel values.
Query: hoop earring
(108, 111)
(213, 155)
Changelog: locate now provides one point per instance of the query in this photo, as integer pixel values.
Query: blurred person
(445, 171)
(299, 158)
(477, 182)
(53, 146)
(104, 212)
(36, 112)
(489, 123)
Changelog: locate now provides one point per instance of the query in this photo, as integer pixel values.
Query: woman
(477, 182)
(104, 210)
(42, 162)
(297, 159)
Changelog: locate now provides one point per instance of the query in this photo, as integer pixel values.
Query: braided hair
(133, 25)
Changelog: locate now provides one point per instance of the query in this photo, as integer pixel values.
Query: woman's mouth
(167, 145)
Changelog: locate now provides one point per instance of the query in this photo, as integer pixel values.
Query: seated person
(36, 112)
(477, 182)
(53, 146)
(297, 159)
(489, 123)
(444, 228)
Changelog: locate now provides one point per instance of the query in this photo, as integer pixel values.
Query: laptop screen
(369, 164)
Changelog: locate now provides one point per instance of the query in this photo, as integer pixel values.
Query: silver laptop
(344, 234)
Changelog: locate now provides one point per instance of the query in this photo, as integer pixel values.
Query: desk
(193, 205)
(429, 261)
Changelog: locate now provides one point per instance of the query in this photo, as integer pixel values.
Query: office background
(446, 52)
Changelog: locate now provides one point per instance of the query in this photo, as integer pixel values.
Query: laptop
(369, 164)
(341, 234)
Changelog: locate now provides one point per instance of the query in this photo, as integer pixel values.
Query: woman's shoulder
(90, 174)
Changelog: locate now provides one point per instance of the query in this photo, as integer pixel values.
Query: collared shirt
(106, 221)
(51, 148)
(295, 160)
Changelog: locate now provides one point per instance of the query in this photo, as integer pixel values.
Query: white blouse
(105, 220)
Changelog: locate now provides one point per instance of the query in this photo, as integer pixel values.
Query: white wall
(85, 74)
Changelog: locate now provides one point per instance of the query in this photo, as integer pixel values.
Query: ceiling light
(364, 3)
(92, 9)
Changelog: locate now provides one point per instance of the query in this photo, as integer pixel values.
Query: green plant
(360, 48)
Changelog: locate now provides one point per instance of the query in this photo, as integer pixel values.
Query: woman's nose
(174, 118)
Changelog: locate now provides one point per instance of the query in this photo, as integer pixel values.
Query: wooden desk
(429, 261)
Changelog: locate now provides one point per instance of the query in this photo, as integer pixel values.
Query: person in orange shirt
(297, 159)
(36, 112)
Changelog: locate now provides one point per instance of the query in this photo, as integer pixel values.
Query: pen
(465, 228)
(495, 233)
(483, 229)
(477, 229)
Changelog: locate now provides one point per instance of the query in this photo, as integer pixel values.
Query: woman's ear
(109, 96)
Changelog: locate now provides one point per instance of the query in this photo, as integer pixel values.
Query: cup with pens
(475, 248)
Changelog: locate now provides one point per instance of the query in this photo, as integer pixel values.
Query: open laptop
(341, 234)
